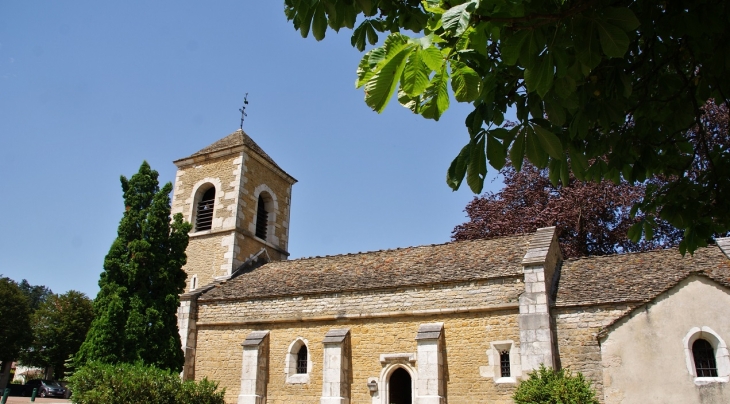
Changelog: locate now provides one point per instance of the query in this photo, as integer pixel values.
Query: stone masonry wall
(205, 257)
(577, 330)
(224, 174)
(238, 178)
(260, 176)
(482, 293)
(210, 252)
(466, 337)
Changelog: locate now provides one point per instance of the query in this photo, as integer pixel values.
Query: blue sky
(88, 90)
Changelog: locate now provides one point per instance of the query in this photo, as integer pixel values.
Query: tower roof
(234, 140)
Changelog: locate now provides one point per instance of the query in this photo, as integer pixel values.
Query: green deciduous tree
(134, 312)
(608, 89)
(59, 327)
(36, 294)
(15, 329)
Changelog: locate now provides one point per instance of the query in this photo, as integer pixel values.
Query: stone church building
(460, 322)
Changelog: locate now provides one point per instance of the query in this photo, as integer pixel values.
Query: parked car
(65, 386)
(46, 388)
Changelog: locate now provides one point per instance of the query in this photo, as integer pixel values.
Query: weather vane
(243, 109)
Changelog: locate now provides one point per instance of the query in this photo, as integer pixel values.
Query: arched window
(298, 365)
(302, 360)
(704, 356)
(204, 211)
(262, 218)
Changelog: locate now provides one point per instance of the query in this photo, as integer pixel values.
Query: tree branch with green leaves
(601, 89)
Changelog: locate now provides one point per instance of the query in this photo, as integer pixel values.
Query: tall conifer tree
(141, 282)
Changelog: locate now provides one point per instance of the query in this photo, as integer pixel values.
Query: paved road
(24, 400)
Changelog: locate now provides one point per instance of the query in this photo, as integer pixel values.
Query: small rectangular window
(504, 363)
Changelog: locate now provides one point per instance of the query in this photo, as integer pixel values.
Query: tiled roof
(412, 266)
(635, 277)
(237, 138)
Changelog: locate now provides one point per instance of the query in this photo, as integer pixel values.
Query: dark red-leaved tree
(592, 218)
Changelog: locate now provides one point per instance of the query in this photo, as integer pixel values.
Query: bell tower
(237, 199)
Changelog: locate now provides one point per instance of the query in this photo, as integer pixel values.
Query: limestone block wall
(224, 173)
(206, 257)
(260, 176)
(429, 299)
(466, 340)
(239, 177)
(380, 322)
(211, 252)
(248, 245)
(577, 342)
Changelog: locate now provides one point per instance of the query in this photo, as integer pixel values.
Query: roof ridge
(235, 139)
(588, 257)
(603, 331)
(403, 248)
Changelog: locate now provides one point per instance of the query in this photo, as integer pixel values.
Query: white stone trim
(386, 359)
(493, 369)
(177, 193)
(195, 198)
(186, 325)
(430, 385)
(722, 358)
(290, 363)
(264, 187)
(391, 364)
(538, 266)
(273, 209)
(254, 368)
(336, 367)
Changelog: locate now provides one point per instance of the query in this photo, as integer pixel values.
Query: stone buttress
(536, 326)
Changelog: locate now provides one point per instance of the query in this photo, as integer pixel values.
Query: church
(459, 322)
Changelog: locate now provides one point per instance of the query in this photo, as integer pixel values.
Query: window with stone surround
(504, 362)
(204, 210)
(194, 282)
(706, 356)
(298, 363)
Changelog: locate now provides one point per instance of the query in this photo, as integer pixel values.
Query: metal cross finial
(243, 109)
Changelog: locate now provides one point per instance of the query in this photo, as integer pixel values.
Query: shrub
(549, 386)
(98, 383)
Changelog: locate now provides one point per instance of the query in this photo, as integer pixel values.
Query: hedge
(98, 383)
(549, 386)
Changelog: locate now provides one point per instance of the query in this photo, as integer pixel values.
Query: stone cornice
(363, 316)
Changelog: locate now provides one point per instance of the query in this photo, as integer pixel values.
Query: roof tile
(237, 138)
(413, 266)
(635, 277)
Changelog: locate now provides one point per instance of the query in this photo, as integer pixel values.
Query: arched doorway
(400, 387)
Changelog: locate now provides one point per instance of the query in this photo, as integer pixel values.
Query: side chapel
(459, 322)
